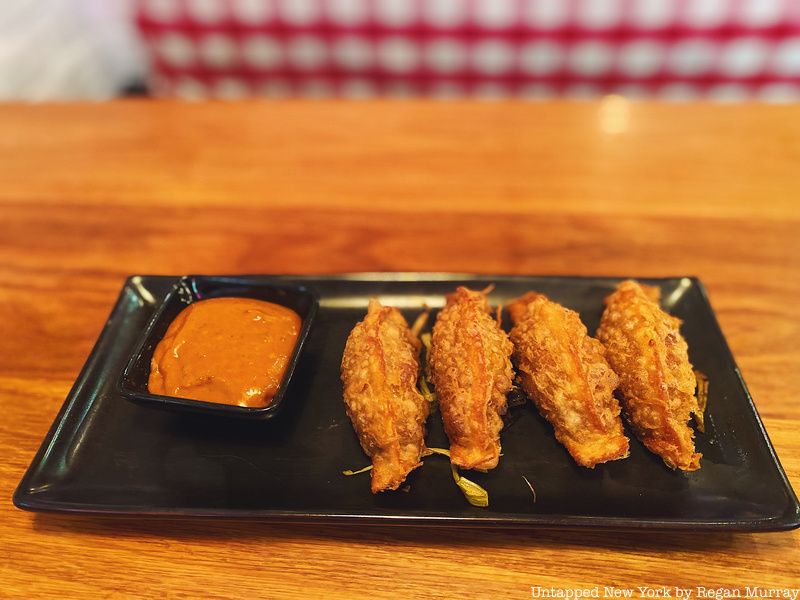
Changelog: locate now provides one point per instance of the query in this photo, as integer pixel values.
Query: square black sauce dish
(133, 384)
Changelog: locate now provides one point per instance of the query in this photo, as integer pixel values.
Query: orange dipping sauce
(226, 350)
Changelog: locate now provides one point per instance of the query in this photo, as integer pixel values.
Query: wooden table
(92, 192)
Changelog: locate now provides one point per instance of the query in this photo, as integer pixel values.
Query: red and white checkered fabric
(679, 49)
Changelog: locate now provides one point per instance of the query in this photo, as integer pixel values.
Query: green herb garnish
(349, 472)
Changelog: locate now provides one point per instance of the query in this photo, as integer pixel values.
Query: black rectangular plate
(105, 455)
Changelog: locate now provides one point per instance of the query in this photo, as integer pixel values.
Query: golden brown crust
(645, 348)
(379, 372)
(565, 373)
(470, 367)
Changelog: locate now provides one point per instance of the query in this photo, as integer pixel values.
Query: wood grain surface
(90, 193)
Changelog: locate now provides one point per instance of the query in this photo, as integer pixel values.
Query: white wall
(66, 49)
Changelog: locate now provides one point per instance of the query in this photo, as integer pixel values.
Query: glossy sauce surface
(226, 350)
